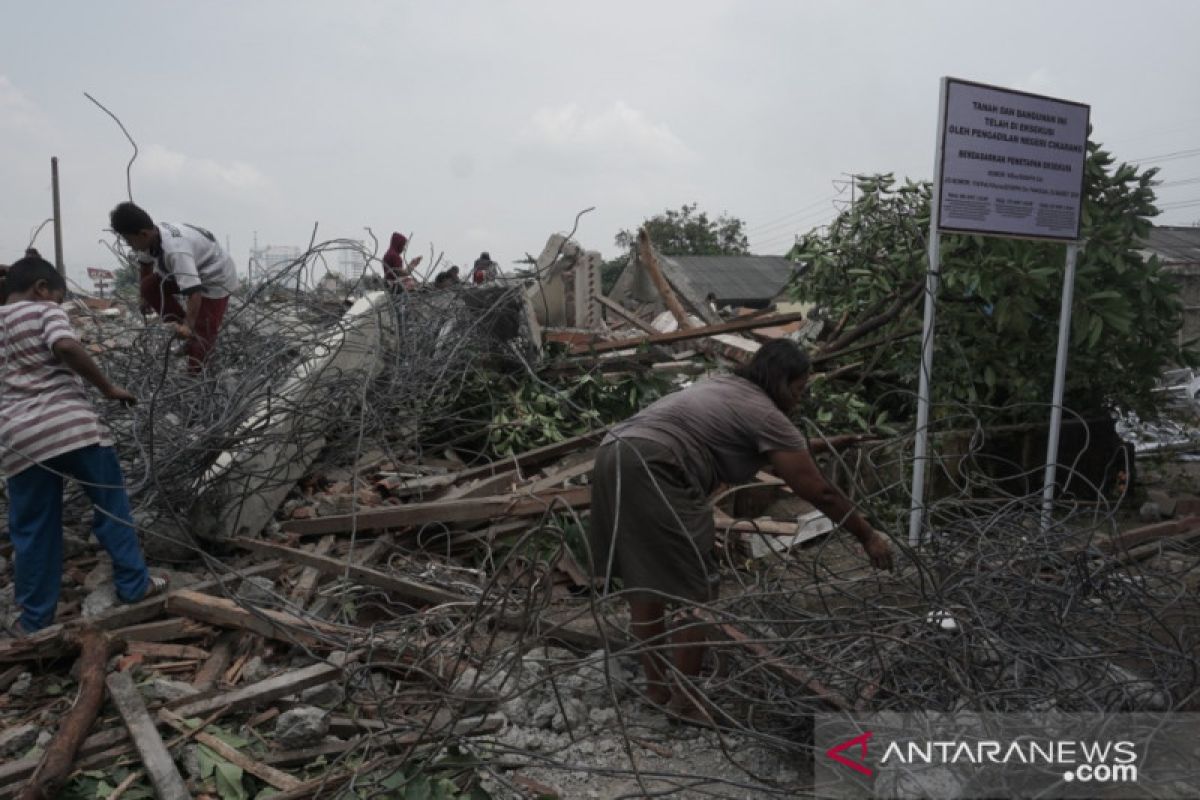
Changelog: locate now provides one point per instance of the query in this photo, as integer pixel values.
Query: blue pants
(35, 498)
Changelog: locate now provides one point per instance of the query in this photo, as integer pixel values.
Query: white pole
(1060, 380)
(932, 280)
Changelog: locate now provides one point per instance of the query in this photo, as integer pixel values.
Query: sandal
(158, 585)
(15, 630)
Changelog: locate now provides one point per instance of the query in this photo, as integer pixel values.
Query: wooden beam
(274, 777)
(263, 621)
(461, 510)
(163, 630)
(159, 765)
(650, 264)
(422, 593)
(1146, 534)
(172, 651)
(307, 583)
(54, 768)
(218, 659)
(263, 691)
(519, 462)
(621, 312)
(55, 641)
(685, 335)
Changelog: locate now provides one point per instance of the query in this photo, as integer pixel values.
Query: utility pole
(58, 254)
(853, 176)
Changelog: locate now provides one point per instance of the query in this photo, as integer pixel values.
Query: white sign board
(1012, 163)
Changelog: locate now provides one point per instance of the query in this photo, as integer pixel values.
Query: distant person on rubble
(652, 519)
(486, 270)
(180, 259)
(394, 268)
(447, 279)
(49, 429)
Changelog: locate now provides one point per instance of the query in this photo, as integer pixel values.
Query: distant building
(352, 263)
(268, 263)
(704, 281)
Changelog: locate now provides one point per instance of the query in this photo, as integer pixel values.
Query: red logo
(835, 753)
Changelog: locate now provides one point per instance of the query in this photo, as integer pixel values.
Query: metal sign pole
(932, 281)
(1060, 380)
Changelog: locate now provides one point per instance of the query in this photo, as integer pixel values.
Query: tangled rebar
(995, 612)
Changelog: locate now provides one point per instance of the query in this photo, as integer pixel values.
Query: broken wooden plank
(158, 762)
(1146, 534)
(422, 593)
(274, 777)
(163, 630)
(296, 758)
(558, 477)
(55, 641)
(263, 691)
(52, 772)
(535, 458)
(628, 316)
(218, 660)
(302, 592)
(266, 622)
(473, 510)
(159, 650)
(483, 487)
(686, 335)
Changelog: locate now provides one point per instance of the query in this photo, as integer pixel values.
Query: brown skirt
(651, 526)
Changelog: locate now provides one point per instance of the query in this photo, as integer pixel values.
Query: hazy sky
(488, 125)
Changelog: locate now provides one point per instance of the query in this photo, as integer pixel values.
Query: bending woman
(652, 524)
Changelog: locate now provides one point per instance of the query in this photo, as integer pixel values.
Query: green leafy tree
(998, 309)
(688, 232)
(126, 279)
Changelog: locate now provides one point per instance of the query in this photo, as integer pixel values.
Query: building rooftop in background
(1174, 244)
(736, 280)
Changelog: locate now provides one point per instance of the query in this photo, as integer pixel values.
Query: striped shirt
(44, 407)
(192, 256)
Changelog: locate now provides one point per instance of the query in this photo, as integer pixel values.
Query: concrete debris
(328, 695)
(103, 598)
(258, 590)
(301, 727)
(21, 686)
(16, 740)
(166, 690)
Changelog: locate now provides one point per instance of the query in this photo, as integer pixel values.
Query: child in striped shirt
(50, 430)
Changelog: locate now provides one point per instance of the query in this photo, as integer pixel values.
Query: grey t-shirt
(720, 429)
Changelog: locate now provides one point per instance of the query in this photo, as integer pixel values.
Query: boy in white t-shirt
(180, 259)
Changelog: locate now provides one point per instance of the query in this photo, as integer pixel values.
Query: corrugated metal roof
(740, 278)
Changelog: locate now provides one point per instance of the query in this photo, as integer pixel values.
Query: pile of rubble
(366, 603)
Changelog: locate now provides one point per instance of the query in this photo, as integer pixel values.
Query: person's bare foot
(657, 694)
(689, 708)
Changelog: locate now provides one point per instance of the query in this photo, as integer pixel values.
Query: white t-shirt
(193, 258)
